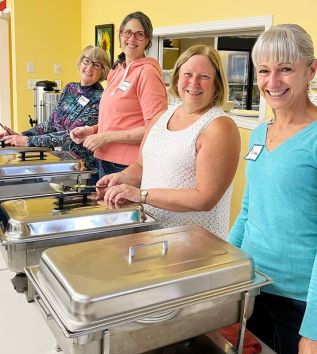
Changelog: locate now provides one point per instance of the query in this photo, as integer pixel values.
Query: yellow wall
(176, 12)
(43, 32)
(239, 180)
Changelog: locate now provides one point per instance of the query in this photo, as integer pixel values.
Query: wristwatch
(143, 194)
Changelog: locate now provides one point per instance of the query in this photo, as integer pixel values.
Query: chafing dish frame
(183, 293)
(17, 178)
(98, 340)
(9, 149)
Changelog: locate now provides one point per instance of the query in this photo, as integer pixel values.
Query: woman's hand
(95, 141)
(16, 140)
(111, 180)
(79, 134)
(121, 193)
(307, 346)
(107, 182)
(7, 132)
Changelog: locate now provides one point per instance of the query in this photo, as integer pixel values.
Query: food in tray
(8, 158)
(245, 112)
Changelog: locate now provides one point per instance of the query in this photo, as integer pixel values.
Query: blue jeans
(107, 167)
(276, 320)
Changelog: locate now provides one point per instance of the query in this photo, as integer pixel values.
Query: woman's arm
(307, 346)
(218, 150)
(309, 325)
(79, 134)
(132, 176)
(131, 136)
(236, 233)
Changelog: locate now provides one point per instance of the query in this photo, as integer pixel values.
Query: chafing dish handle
(133, 249)
(43, 308)
(27, 155)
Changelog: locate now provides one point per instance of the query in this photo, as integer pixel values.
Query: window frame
(236, 26)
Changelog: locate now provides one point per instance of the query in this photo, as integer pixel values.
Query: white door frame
(5, 69)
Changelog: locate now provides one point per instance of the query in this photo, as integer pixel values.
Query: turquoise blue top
(278, 221)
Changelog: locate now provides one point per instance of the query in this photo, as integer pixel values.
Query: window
(236, 53)
(212, 32)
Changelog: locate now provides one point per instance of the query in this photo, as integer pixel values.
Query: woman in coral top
(135, 94)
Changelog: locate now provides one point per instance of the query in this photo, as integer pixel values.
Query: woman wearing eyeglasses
(78, 106)
(135, 94)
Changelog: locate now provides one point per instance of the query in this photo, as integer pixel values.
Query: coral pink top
(134, 95)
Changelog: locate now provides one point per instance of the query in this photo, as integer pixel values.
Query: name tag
(124, 86)
(254, 153)
(82, 100)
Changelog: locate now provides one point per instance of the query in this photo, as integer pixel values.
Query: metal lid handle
(132, 249)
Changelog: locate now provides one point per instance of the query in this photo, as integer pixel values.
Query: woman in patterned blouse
(78, 106)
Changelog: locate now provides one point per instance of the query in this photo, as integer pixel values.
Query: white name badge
(82, 100)
(124, 86)
(254, 153)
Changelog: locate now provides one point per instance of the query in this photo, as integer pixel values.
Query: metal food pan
(30, 226)
(152, 289)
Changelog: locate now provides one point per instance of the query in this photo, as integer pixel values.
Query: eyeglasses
(95, 64)
(138, 35)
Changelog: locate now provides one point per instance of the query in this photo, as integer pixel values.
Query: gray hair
(285, 43)
(99, 55)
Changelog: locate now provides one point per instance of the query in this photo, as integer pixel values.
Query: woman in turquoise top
(278, 221)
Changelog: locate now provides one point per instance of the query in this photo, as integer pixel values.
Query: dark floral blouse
(70, 112)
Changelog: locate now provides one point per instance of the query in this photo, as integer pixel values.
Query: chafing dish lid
(29, 220)
(91, 281)
(12, 165)
(11, 150)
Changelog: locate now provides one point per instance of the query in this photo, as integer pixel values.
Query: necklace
(269, 140)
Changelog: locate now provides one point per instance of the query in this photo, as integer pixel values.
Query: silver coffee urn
(45, 98)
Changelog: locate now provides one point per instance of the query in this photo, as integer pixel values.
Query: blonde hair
(221, 84)
(285, 43)
(99, 55)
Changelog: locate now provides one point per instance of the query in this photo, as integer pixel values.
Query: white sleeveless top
(169, 159)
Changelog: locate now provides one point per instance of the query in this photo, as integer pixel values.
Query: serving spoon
(61, 188)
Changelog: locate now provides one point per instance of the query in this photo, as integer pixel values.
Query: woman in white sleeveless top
(190, 153)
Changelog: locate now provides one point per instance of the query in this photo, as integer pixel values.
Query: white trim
(245, 122)
(251, 25)
(241, 24)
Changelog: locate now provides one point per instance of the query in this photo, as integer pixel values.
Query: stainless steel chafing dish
(29, 226)
(139, 292)
(10, 150)
(29, 172)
